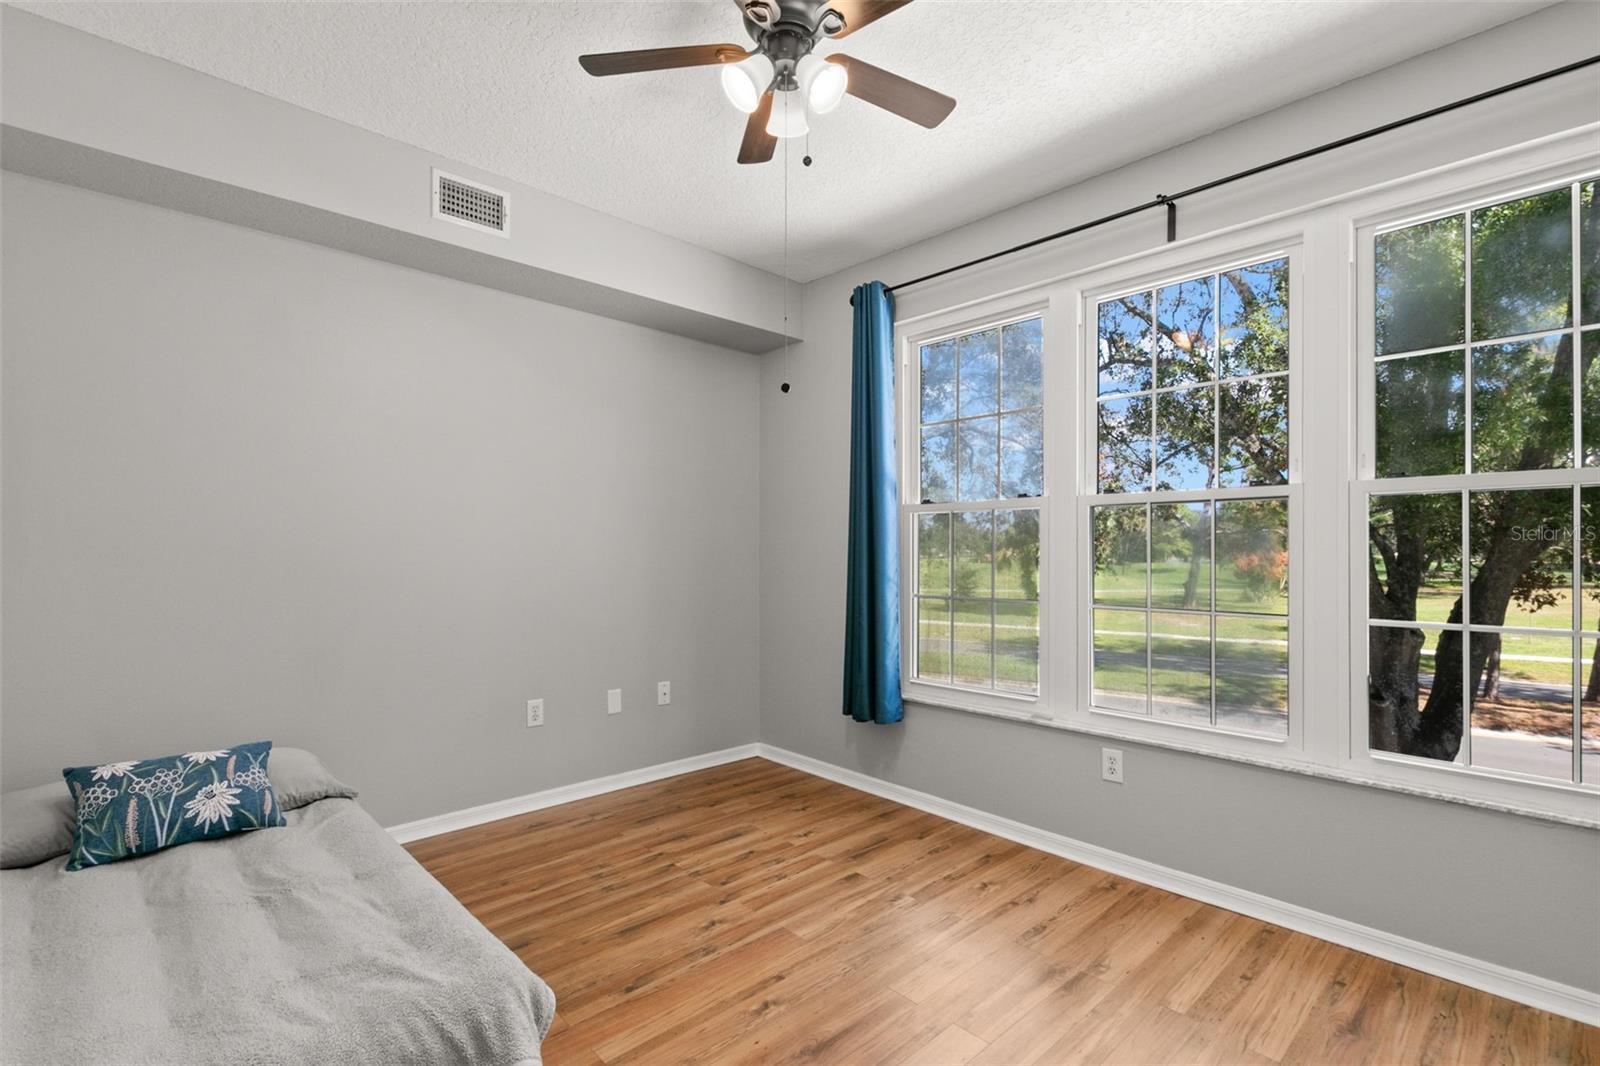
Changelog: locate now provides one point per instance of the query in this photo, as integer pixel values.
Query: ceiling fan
(780, 82)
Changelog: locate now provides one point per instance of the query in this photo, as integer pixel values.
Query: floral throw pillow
(133, 808)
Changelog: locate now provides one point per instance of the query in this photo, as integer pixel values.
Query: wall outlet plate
(535, 713)
(663, 693)
(1111, 764)
(613, 701)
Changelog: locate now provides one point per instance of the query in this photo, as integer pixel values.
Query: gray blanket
(321, 942)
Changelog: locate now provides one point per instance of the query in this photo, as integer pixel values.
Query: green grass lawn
(1251, 652)
(1435, 605)
(1251, 656)
(972, 578)
(1015, 648)
(1124, 586)
(1534, 658)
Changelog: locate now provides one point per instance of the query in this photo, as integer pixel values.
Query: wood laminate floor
(755, 913)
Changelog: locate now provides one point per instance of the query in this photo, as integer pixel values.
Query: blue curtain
(872, 592)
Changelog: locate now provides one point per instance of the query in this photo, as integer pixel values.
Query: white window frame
(1330, 407)
(1459, 190)
(1156, 271)
(909, 392)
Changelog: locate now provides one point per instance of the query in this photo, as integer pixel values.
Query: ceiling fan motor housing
(786, 47)
(809, 18)
(786, 31)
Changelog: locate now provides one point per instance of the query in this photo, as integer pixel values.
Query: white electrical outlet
(613, 701)
(1111, 764)
(535, 713)
(663, 693)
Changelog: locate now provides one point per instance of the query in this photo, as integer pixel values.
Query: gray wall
(255, 488)
(1502, 888)
(85, 111)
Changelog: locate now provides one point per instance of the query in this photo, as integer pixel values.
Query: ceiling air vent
(467, 203)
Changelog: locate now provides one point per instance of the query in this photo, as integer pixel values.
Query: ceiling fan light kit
(745, 81)
(781, 82)
(788, 117)
(822, 85)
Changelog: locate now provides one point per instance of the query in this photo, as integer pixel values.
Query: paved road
(1523, 753)
(1194, 664)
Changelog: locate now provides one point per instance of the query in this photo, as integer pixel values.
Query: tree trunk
(1191, 583)
(1199, 554)
(1439, 726)
(1591, 691)
(1394, 658)
(1491, 671)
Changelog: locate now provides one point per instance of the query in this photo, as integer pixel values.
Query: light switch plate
(663, 693)
(613, 701)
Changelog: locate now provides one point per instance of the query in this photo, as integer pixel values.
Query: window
(1332, 481)
(1189, 601)
(1483, 506)
(975, 517)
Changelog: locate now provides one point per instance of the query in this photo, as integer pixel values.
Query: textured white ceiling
(1049, 93)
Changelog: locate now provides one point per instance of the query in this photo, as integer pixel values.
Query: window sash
(1459, 776)
(913, 595)
(912, 508)
(1090, 497)
(1464, 485)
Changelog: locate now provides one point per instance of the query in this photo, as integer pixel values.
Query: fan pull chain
(785, 386)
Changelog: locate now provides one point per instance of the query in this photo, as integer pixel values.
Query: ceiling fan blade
(859, 13)
(891, 92)
(602, 64)
(758, 145)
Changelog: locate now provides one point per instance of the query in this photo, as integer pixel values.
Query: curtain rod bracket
(1172, 217)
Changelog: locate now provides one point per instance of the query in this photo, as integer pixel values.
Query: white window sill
(1030, 711)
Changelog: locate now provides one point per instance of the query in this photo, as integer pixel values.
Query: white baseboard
(551, 797)
(1527, 988)
(1553, 996)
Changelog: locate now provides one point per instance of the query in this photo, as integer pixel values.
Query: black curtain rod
(1170, 202)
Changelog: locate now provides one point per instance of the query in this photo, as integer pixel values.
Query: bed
(319, 942)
